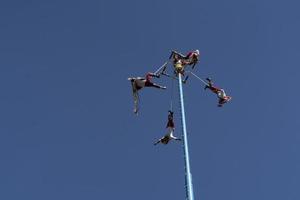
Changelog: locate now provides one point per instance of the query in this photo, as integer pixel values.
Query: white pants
(221, 94)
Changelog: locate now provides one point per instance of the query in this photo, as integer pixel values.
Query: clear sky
(67, 130)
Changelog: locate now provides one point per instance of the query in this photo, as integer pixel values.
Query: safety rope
(168, 75)
(172, 94)
(161, 67)
(198, 78)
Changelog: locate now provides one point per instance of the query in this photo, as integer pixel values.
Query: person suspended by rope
(171, 128)
(223, 98)
(191, 58)
(140, 82)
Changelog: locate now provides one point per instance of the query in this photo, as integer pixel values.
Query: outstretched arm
(153, 75)
(158, 86)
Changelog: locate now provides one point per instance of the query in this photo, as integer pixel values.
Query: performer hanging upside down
(171, 127)
(191, 58)
(140, 82)
(223, 98)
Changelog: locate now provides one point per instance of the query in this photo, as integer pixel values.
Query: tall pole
(188, 175)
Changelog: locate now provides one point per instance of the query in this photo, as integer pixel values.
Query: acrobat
(223, 98)
(139, 83)
(171, 128)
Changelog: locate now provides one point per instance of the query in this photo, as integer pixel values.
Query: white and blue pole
(188, 175)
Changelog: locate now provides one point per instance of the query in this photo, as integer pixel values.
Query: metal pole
(188, 175)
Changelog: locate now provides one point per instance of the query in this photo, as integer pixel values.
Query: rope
(161, 67)
(198, 78)
(172, 91)
(169, 76)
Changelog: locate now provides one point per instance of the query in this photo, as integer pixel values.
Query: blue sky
(67, 128)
